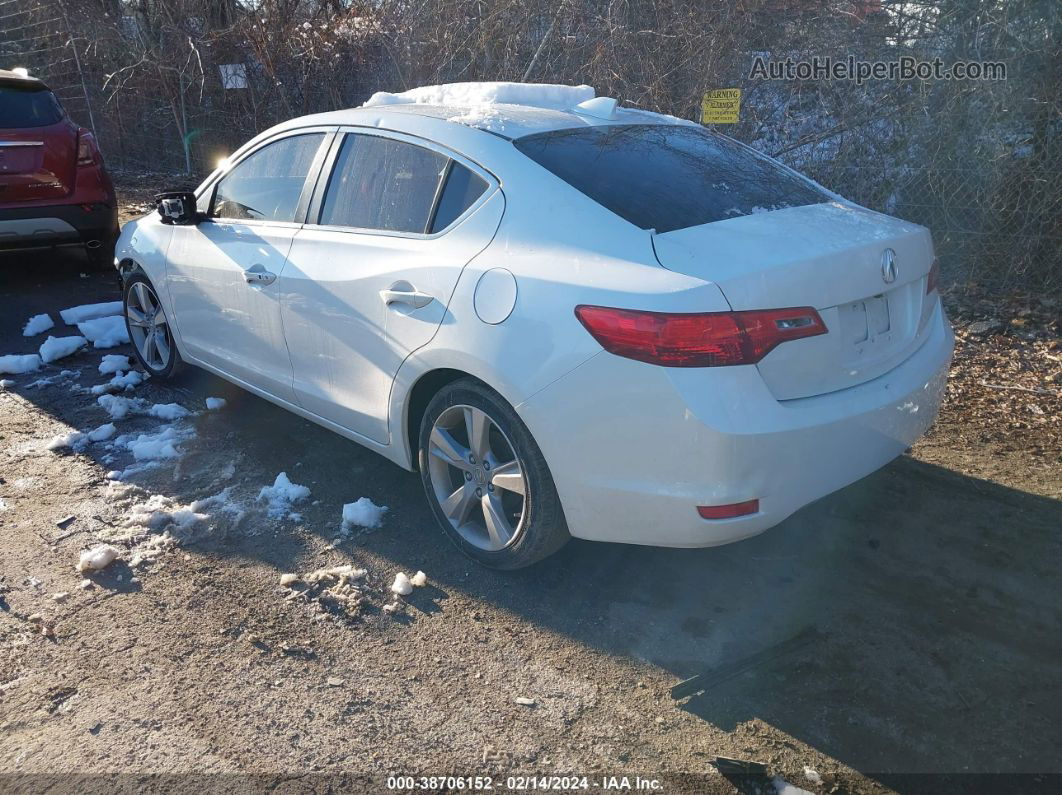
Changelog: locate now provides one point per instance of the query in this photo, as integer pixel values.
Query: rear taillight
(731, 511)
(705, 339)
(86, 148)
(931, 279)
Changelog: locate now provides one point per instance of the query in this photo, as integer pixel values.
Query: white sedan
(572, 318)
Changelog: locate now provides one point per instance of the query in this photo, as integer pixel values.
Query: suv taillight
(86, 148)
(934, 274)
(705, 339)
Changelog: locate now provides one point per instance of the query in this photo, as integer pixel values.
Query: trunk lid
(38, 145)
(828, 256)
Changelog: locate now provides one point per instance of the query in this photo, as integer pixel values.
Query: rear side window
(462, 189)
(28, 108)
(381, 183)
(266, 185)
(667, 177)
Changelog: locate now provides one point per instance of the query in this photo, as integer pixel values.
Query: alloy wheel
(477, 477)
(148, 327)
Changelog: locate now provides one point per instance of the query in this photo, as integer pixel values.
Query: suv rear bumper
(35, 228)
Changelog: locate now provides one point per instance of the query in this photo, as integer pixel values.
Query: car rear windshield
(667, 177)
(21, 107)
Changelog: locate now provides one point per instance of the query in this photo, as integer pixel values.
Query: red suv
(54, 189)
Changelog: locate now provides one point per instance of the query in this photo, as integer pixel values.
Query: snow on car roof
(514, 110)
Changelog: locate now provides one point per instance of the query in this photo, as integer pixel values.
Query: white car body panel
(633, 448)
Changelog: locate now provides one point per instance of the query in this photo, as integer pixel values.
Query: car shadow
(906, 624)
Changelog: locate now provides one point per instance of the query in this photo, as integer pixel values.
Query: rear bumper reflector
(731, 511)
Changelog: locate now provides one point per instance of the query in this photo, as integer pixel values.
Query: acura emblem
(888, 266)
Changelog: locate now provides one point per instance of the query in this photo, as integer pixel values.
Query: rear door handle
(259, 275)
(408, 296)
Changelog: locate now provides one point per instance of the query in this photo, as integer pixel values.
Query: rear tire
(149, 328)
(476, 456)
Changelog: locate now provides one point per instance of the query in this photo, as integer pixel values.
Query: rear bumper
(634, 448)
(33, 228)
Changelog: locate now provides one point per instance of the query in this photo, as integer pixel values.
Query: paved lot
(908, 624)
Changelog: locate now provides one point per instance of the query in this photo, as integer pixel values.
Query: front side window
(667, 177)
(266, 185)
(381, 183)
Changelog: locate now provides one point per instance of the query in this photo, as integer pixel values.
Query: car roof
(17, 80)
(504, 120)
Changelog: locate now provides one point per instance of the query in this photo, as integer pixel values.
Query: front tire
(149, 328)
(486, 479)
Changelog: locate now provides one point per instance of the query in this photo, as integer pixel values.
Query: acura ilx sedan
(572, 318)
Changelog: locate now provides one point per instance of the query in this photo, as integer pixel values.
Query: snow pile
(16, 364)
(783, 787)
(331, 588)
(121, 382)
(402, 586)
(539, 95)
(120, 407)
(59, 347)
(812, 775)
(105, 332)
(99, 557)
(152, 446)
(362, 513)
(73, 439)
(161, 513)
(102, 433)
(79, 314)
(420, 579)
(6, 383)
(114, 363)
(37, 324)
(168, 411)
(282, 494)
(215, 403)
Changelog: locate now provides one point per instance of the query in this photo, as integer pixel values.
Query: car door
(368, 279)
(222, 273)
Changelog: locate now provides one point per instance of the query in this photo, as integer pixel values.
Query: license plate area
(866, 322)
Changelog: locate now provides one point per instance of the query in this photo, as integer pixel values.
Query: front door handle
(259, 275)
(408, 296)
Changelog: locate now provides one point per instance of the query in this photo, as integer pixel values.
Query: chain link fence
(176, 85)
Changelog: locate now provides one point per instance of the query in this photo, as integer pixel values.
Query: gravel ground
(907, 625)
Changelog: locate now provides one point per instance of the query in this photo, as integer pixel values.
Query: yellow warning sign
(721, 106)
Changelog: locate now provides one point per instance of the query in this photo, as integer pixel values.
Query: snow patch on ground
(113, 363)
(120, 383)
(105, 332)
(362, 513)
(168, 411)
(16, 364)
(64, 440)
(37, 324)
(783, 787)
(79, 314)
(215, 403)
(402, 586)
(120, 407)
(6, 383)
(102, 433)
(99, 557)
(282, 494)
(152, 446)
(55, 348)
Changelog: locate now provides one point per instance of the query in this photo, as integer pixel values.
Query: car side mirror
(178, 207)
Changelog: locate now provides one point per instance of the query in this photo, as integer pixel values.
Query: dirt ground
(903, 629)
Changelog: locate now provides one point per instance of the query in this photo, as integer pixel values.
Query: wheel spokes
(459, 504)
(445, 446)
(494, 519)
(477, 425)
(509, 477)
(136, 317)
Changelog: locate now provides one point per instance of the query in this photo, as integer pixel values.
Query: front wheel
(149, 328)
(486, 480)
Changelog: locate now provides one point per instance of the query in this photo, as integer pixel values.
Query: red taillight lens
(729, 511)
(86, 148)
(705, 339)
(934, 274)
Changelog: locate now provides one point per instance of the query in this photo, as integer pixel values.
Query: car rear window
(461, 191)
(667, 177)
(35, 107)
